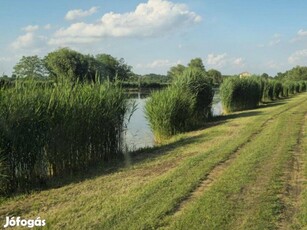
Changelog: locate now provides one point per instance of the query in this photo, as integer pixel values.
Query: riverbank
(234, 174)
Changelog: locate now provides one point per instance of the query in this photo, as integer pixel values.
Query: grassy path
(247, 170)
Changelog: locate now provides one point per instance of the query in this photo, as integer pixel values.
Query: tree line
(67, 64)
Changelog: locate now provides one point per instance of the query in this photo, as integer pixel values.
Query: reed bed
(240, 94)
(59, 130)
(277, 90)
(246, 93)
(184, 105)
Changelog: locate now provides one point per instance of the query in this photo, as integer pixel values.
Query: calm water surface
(138, 133)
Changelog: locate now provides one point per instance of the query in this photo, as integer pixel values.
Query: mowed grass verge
(147, 193)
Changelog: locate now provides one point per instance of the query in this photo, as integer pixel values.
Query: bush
(239, 94)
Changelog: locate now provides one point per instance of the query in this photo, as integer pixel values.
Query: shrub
(239, 94)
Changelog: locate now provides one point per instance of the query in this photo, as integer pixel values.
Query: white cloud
(23, 41)
(159, 63)
(275, 40)
(30, 41)
(30, 28)
(154, 18)
(274, 65)
(75, 14)
(217, 60)
(301, 34)
(5, 59)
(239, 62)
(298, 57)
(47, 27)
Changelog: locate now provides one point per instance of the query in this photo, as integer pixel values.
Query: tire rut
(222, 166)
(294, 180)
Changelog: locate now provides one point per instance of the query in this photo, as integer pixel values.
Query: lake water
(138, 133)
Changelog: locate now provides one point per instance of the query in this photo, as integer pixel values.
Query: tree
(265, 75)
(114, 68)
(123, 71)
(215, 76)
(197, 64)
(67, 64)
(95, 69)
(297, 73)
(176, 71)
(30, 66)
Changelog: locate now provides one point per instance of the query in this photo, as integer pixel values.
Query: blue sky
(152, 35)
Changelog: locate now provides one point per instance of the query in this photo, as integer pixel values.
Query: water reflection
(138, 133)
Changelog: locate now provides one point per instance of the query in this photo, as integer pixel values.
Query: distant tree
(176, 71)
(96, 69)
(197, 64)
(297, 73)
(123, 71)
(67, 64)
(215, 76)
(30, 66)
(114, 68)
(265, 75)
(109, 64)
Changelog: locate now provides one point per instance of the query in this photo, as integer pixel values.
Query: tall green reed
(184, 105)
(58, 130)
(239, 94)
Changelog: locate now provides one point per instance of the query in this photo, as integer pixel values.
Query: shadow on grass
(236, 115)
(120, 163)
(146, 154)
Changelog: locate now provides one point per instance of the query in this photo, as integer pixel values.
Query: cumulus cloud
(301, 34)
(274, 65)
(75, 14)
(159, 63)
(216, 60)
(298, 57)
(275, 40)
(23, 41)
(47, 27)
(239, 62)
(30, 28)
(5, 59)
(30, 41)
(153, 18)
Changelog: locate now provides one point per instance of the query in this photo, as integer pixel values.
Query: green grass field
(246, 170)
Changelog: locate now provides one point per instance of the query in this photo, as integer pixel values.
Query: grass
(301, 215)
(247, 194)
